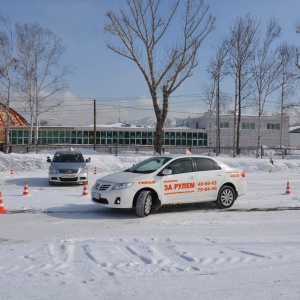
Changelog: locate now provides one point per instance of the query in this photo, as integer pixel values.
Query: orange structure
(2, 209)
(15, 120)
(26, 191)
(288, 191)
(85, 189)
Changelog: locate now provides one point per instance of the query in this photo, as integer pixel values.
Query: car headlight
(120, 186)
(82, 170)
(52, 170)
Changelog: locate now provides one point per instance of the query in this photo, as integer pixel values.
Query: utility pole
(220, 63)
(218, 117)
(95, 124)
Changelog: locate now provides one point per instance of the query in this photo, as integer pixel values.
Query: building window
(79, 137)
(273, 126)
(248, 126)
(224, 125)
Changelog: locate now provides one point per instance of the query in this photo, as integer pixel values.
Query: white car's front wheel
(144, 203)
(226, 197)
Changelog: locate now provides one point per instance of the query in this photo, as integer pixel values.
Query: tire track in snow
(61, 256)
(94, 258)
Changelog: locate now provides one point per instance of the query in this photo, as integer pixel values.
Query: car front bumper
(113, 198)
(68, 178)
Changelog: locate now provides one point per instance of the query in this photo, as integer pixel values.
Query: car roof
(195, 155)
(64, 151)
(185, 155)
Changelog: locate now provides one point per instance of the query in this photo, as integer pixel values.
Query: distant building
(201, 135)
(15, 120)
(295, 137)
(109, 135)
(270, 130)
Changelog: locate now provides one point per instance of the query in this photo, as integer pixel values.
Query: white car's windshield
(149, 165)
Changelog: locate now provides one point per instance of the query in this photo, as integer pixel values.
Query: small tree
(215, 70)
(288, 78)
(141, 31)
(209, 95)
(242, 44)
(265, 69)
(41, 76)
(8, 65)
(297, 58)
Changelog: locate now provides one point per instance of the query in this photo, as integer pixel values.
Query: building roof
(295, 129)
(15, 118)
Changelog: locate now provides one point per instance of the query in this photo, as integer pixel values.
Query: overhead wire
(85, 104)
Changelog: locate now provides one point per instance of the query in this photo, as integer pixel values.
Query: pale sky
(115, 82)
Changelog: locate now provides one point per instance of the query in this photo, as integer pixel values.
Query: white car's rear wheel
(144, 203)
(226, 197)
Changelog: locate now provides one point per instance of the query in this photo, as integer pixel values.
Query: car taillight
(243, 174)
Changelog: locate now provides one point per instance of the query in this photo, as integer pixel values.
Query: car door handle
(192, 177)
(220, 174)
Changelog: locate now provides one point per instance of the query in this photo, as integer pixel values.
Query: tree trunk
(159, 135)
(281, 117)
(161, 115)
(234, 118)
(259, 127)
(259, 136)
(239, 114)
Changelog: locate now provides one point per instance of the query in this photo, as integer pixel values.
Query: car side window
(181, 166)
(206, 164)
(217, 166)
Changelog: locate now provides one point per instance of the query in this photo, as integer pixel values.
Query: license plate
(68, 176)
(96, 196)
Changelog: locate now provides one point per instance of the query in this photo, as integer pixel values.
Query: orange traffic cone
(26, 191)
(85, 189)
(12, 170)
(288, 188)
(2, 209)
(95, 171)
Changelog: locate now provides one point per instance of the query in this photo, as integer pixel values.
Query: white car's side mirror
(167, 172)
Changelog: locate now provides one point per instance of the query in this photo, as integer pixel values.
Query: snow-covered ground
(56, 244)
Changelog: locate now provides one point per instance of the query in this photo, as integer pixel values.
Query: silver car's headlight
(120, 186)
(52, 170)
(82, 170)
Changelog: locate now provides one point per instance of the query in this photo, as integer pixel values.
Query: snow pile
(56, 244)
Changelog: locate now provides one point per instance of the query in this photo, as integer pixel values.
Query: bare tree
(141, 30)
(7, 68)
(225, 101)
(265, 69)
(215, 69)
(242, 43)
(289, 76)
(297, 51)
(41, 76)
(210, 96)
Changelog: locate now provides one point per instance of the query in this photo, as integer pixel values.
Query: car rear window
(206, 164)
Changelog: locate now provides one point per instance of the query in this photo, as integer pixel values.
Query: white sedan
(168, 179)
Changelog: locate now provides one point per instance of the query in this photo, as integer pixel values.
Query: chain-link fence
(149, 150)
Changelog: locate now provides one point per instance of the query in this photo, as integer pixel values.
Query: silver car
(68, 166)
